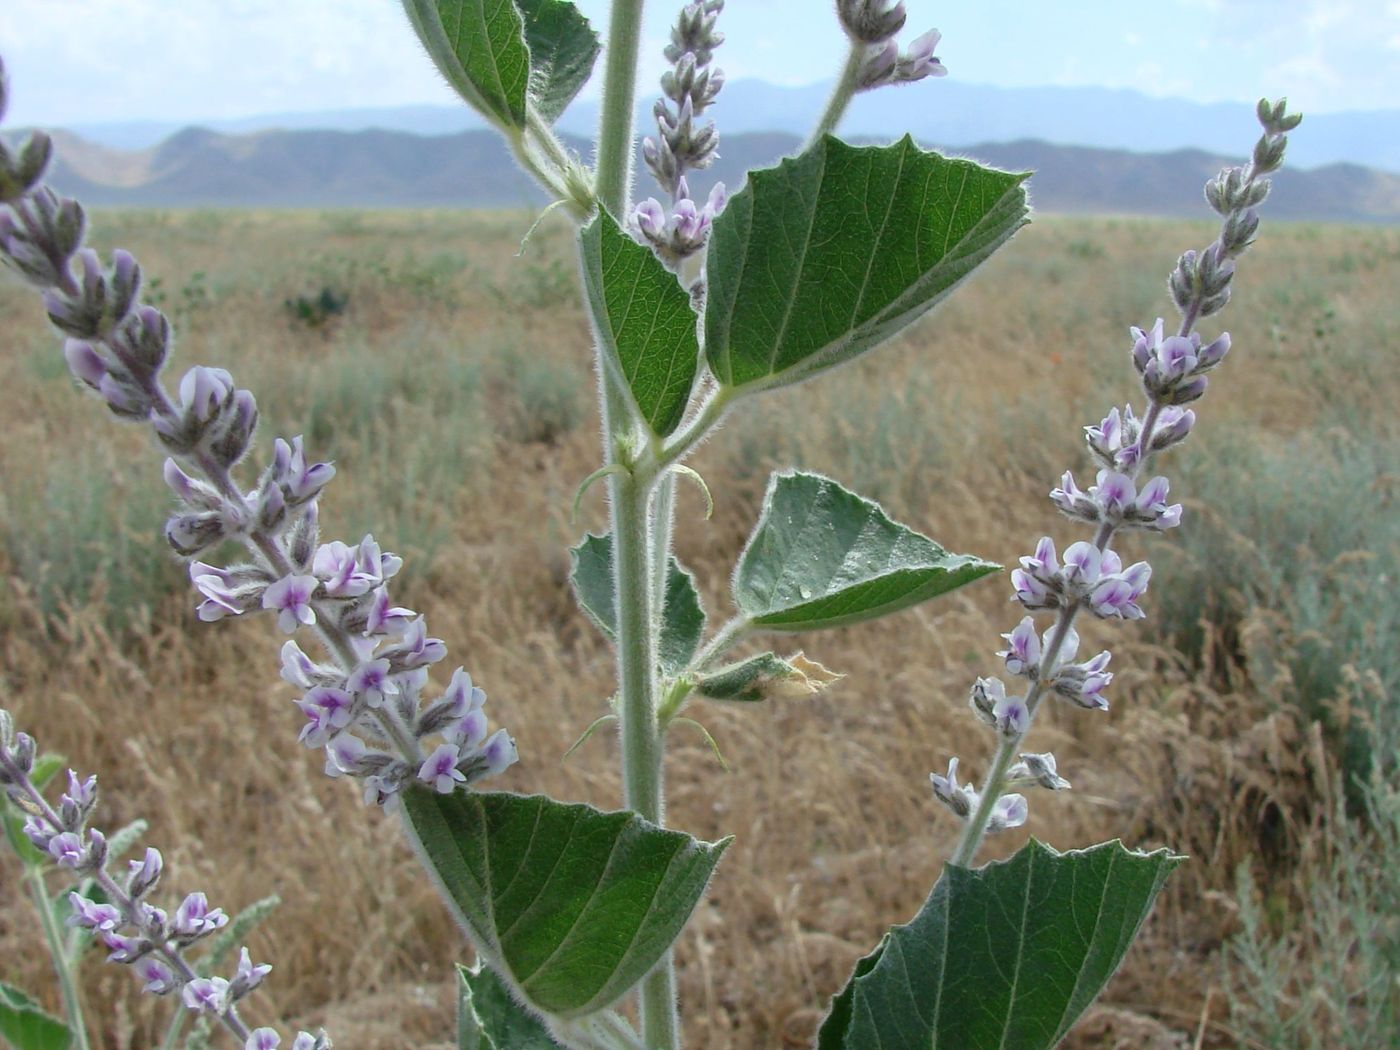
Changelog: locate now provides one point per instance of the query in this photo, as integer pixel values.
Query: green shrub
(1301, 536)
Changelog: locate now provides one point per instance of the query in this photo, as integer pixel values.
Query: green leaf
(46, 767)
(766, 677)
(821, 556)
(25, 1026)
(571, 905)
(683, 620)
(826, 255)
(1004, 957)
(646, 323)
(479, 46)
(563, 48)
(489, 1019)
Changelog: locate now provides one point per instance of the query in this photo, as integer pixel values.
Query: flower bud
(189, 534)
(84, 362)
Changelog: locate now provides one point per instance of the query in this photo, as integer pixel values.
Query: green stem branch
(62, 963)
(846, 87)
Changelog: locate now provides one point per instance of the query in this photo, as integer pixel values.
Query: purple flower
(39, 832)
(1083, 684)
(291, 598)
(415, 649)
(1073, 501)
(1022, 652)
(1011, 717)
(194, 919)
(124, 949)
(462, 695)
(326, 710)
(1083, 563)
(226, 592)
(1009, 811)
(300, 481)
(1173, 426)
(300, 670)
(248, 976)
(440, 770)
(499, 754)
(1113, 493)
(961, 799)
(263, 1039)
(203, 391)
(206, 994)
(468, 731)
(93, 916)
(67, 850)
(369, 681)
(880, 66)
(649, 217)
(144, 873)
(919, 60)
(157, 977)
(1038, 770)
(84, 363)
(384, 618)
(1116, 595)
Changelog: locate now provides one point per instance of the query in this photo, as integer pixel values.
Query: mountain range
(472, 169)
(950, 112)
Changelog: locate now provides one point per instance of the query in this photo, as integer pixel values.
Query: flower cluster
(1090, 576)
(135, 932)
(363, 704)
(872, 26)
(682, 143)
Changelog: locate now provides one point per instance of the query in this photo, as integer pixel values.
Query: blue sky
(91, 61)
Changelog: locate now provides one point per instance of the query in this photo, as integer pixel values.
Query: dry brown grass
(960, 427)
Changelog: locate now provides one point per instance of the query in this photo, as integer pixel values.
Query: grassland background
(455, 394)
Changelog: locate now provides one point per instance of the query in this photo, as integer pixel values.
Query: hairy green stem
(643, 745)
(619, 95)
(846, 86)
(62, 964)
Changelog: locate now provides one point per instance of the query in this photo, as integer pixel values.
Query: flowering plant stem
(62, 958)
(642, 540)
(846, 86)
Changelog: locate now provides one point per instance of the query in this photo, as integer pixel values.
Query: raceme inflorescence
(697, 311)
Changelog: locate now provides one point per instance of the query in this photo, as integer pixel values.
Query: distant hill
(327, 169)
(949, 111)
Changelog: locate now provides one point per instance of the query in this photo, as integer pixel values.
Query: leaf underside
(488, 1018)
(821, 556)
(683, 619)
(822, 257)
(563, 49)
(571, 905)
(505, 56)
(1005, 957)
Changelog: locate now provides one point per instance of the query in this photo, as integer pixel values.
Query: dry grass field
(454, 391)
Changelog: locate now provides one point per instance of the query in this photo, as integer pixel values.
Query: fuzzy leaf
(489, 1019)
(683, 621)
(25, 1026)
(822, 556)
(570, 905)
(833, 251)
(479, 46)
(1004, 957)
(766, 677)
(563, 48)
(647, 326)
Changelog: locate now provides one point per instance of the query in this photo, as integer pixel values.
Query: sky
(101, 61)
